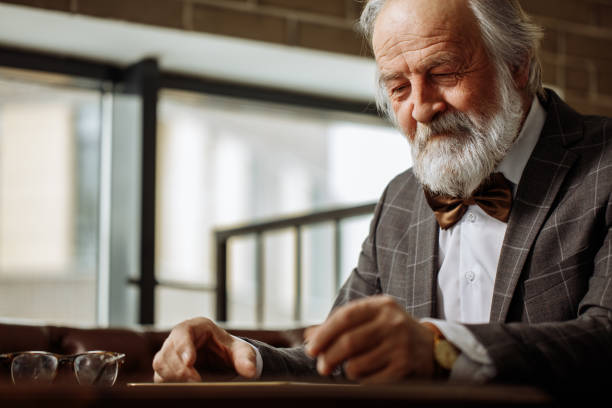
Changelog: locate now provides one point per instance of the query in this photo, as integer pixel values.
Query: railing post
(297, 305)
(221, 278)
(337, 254)
(259, 278)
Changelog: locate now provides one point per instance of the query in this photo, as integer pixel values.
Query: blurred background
(165, 159)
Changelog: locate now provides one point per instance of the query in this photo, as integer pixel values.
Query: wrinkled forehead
(417, 24)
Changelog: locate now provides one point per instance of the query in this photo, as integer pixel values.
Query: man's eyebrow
(390, 76)
(437, 60)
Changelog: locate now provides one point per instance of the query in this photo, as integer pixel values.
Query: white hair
(511, 39)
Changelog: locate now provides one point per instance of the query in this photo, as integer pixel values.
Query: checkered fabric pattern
(552, 304)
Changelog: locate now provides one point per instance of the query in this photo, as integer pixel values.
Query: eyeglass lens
(96, 369)
(34, 367)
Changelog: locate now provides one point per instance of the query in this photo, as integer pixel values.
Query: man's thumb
(245, 358)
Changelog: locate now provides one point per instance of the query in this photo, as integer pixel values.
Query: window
(50, 130)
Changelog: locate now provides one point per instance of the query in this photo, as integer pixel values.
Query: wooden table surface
(274, 394)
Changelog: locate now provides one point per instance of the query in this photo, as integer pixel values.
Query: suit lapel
(424, 252)
(539, 185)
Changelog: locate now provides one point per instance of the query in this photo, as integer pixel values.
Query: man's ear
(520, 73)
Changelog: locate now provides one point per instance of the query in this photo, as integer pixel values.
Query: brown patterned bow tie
(494, 196)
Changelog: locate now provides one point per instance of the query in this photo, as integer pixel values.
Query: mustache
(448, 123)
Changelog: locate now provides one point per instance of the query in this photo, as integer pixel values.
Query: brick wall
(576, 52)
(320, 24)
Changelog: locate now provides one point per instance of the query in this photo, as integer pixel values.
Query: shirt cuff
(258, 359)
(474, 362)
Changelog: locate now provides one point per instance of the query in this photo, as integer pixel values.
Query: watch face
(446, 354)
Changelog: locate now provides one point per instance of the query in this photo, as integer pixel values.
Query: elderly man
(490, 259)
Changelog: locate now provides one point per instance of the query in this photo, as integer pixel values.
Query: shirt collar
(514, 163)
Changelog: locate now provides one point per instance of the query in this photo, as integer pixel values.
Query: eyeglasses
(90, 368)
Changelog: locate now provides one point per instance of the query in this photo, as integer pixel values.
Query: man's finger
(309, 331)
(199, 330)
(182, 353)
(173, 370)
(341, 320)
(353, 342)
(167, 362)
(367, 364)
(386, 375)
(184, 350)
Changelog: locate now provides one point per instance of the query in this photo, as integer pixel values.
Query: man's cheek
(408, 129)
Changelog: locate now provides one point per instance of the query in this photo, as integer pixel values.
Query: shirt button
(470, 276)
(471, 217)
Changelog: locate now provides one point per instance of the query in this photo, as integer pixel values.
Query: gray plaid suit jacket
(551, 315)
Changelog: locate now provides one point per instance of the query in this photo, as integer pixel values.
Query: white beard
(470, 148)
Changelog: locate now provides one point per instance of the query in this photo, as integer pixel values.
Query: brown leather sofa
(139, 345)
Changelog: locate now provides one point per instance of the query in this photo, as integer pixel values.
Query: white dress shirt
(468, 257)
(469, 252)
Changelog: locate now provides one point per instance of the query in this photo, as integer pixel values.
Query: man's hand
(375, 339)
(200, 339)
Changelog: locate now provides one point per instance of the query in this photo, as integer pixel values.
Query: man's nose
(427, 102)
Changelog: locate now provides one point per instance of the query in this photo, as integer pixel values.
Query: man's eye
(399, 89)
(446, 76)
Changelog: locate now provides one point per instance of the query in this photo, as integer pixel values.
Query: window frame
(145, 80)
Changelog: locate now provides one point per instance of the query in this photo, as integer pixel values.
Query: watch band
(445, 353)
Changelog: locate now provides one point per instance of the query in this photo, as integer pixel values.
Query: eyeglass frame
(116, 357)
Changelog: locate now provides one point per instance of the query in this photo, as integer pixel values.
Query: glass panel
(123, 196)
(226, 161)
(49, 193)
(241, 281)
(190, 304)
(279, 278)
(318, 289)
(132, 304)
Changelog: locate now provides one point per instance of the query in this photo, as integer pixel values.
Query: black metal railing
(297, 224)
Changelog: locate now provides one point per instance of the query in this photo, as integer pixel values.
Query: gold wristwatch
(445, 353)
